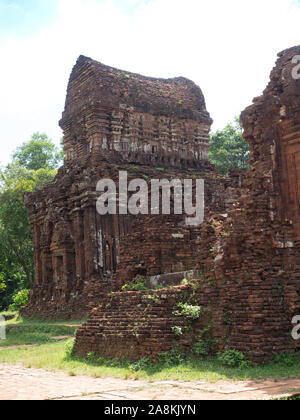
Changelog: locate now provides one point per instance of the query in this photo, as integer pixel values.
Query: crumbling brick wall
(139, 324)
(262, 252)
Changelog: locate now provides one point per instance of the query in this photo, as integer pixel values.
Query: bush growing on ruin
(69, 348)
(137, 284)
(174, 357)
(177, 331)
(188, 311)
(142, 364)
(234, 359)
(205, 343)
(285, 359)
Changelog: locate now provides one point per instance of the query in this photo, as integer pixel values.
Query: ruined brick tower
(115, 120)
(119, 116)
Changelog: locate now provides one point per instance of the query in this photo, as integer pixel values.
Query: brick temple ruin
(152, 128)
(244, 258)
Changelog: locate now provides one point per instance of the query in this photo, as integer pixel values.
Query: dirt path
(19, 383)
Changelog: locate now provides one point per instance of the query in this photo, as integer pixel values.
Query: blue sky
(227, 47)
(25, 17)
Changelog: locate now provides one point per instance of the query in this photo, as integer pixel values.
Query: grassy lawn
(51, 354)
(33, 331)
(15, 319)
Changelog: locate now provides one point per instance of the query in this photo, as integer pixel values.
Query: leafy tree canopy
(33, 165)
(38, 153)
(228, 149)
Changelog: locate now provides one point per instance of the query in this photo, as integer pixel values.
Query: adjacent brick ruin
(245, 256)
(262, 253)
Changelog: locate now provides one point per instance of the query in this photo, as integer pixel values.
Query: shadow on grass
(171, 366)
(192, 368)
(28, 334)
(14, 316)
(35, 320)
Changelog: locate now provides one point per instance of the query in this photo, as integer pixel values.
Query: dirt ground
(20, 383)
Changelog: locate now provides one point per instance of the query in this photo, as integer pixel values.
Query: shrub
(233, 358)
(184, 282)
(69, 348)
(137, 284)
(142, 364)
(174, 357)
(227, 318)
(20, 299)
(188, 311)
(203, 347)
(177, 331)
(2, 283)
(205, 344)
(284, 359)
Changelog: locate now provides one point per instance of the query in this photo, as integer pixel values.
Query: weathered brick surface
(127, 117)
(262, 252)
(138, 324)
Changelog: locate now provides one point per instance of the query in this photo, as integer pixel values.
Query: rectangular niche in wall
(58, 267)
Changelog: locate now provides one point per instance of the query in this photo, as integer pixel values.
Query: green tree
(15, 230)
(25, 173)
(228, 149)
(38, 153)
(12, 276)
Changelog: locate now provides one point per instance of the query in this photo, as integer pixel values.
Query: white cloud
(228, 48)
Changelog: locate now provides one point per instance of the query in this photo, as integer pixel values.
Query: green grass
(22, 334)
(51, 355)
(33, 331)
(17, 319)
(294, 398)
(9, 315)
